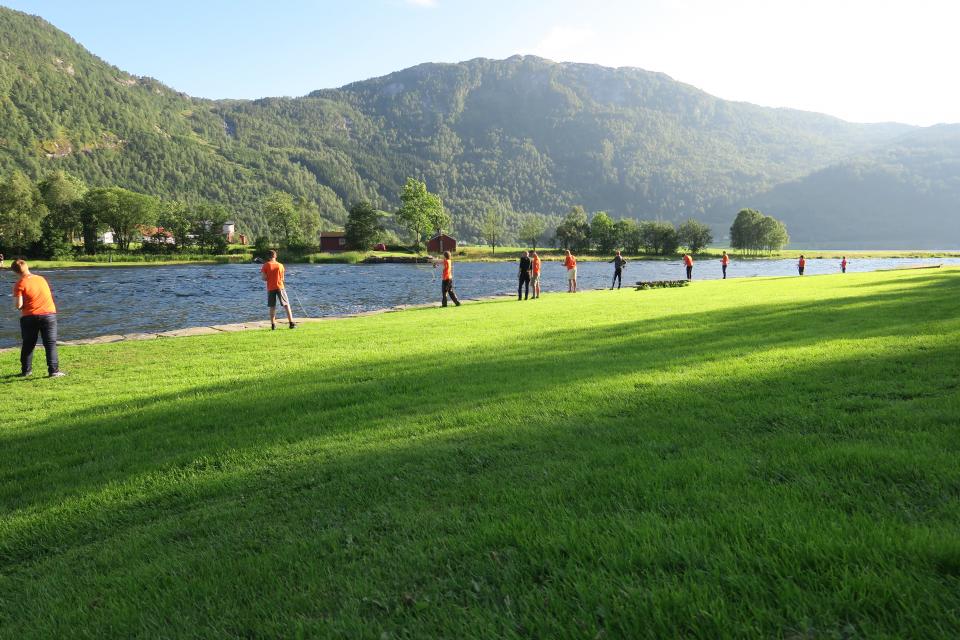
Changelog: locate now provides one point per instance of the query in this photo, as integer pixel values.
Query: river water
(118, 300)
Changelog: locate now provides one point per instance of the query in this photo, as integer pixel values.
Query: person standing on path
(843, 264)
(536, 275)
(688, 262)
(571, 264)
(446, 283)
(618, 264)
(525, 265)
(724, 261)
(801, 264)
(272, 273)
(38, 318)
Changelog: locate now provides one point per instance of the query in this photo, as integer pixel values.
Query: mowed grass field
(773, 458)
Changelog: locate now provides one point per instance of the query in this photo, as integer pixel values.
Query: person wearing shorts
(571, 264)
(535, 260)
(272, 273)
(38, 319)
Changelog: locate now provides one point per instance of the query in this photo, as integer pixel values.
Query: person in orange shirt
(446, 284)
(571, 264)
(843, 264)
(801, 264)
(272, 273)
(38, 318)
(724, 261)
(688, 261)
(536, 275)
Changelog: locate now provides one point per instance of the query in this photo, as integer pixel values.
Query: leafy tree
(174, 218)
(21, 211)
(207, 221)
(308, 222)
(364, 226)
(532, 229)
(420, 212)
(694, 235)
(574, 232)
(92, 209)
(281, 216)
(627, 233)
(755, 232)
(602, 232)
(494, 226)
(658, 238)
(133, 210)
(62, 194)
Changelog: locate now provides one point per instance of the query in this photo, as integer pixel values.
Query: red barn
(440, 243)
(333, 241)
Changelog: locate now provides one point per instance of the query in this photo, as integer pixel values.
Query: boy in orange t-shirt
(272, 273)
(536, 274)
(38, 318)
(571, 264)
(688, 261)
(724, 261)
(446, 282)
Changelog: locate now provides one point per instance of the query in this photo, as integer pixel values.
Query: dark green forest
(524, 134)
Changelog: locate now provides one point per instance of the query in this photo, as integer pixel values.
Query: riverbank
(763, 457)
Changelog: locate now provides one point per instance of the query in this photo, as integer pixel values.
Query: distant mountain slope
(538, 134)
(904, 195)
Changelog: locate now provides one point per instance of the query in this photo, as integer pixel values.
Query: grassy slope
(772, 457)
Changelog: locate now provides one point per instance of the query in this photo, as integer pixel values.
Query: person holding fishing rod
(272, 274)
(446, 281)
(38, 319)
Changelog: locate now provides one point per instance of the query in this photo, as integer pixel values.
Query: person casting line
(801, 264)
(38, 317)
(724, 262)
(446, 285)
(688, 262)
(536, 275)
(571, 264)
(525, 265)
(272, 273)
(618, 264)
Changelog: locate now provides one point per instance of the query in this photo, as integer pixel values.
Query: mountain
(537, 134)
(905, 194)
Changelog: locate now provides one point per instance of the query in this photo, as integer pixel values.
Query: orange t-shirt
(687, 260)
(802, 262)
(37, 299)
(725, 260)
(536, 265)
(448, 269)
(274, 271)
(570, 262)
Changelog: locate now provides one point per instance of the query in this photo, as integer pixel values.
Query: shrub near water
(748, 458)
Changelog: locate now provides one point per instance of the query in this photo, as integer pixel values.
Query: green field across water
(771, 457)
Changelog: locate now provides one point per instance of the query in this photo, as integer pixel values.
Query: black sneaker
(293, 325)
(272, 326)
(57, 374)
(24, 375)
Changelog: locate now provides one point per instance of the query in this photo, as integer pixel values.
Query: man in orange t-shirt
(272, 273)
(571, 264)
(724, 261)
(801, 264)
(446, 281)
(688, 261)
(536, 274)
(38, 318)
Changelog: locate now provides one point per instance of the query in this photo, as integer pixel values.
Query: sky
(860, 60)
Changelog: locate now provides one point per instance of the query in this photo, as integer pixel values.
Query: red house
(440, 243)
(333, 241)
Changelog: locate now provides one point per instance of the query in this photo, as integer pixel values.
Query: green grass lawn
(772, 458)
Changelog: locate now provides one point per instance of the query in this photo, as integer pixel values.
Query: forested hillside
(534, 135)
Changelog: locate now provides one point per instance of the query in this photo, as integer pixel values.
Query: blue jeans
(32, 327)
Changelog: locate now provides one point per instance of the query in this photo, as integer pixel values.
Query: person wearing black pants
(525, 265)
(446, 284)
(38, 319)
(618, 264)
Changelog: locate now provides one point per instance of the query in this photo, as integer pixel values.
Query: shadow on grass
(84, 450)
